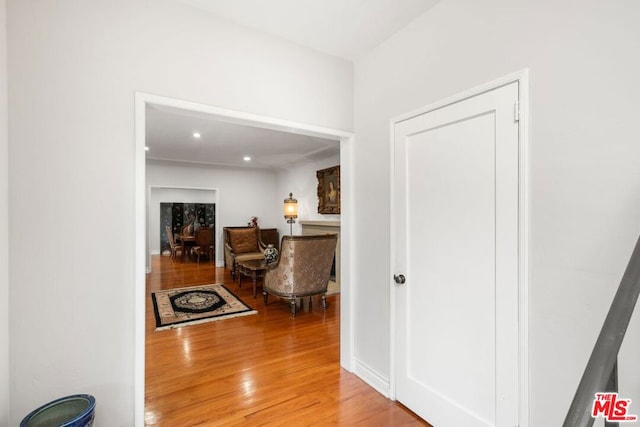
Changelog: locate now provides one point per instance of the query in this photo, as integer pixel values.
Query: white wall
(74, 67)
(301, 180)
(4, 225)
(585, 179)
(241, 192)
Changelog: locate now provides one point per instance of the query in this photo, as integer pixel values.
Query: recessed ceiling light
(246, 158)
(196, 135)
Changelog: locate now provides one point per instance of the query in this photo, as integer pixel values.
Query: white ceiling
(169, 136)
(343, 28)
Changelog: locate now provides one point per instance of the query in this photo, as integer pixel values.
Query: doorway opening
(346, 146)
(169, 206)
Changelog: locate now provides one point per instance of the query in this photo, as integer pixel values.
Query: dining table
(186, 240)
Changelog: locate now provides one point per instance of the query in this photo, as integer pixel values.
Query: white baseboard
(372, 378)
(155, 252)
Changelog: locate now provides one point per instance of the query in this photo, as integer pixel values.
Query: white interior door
(456, 183)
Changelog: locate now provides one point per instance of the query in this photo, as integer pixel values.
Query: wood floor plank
(267, 369)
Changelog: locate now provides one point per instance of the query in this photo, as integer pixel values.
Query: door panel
(456, 189)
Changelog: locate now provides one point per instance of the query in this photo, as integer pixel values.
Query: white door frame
(346, 218)
(522, 77)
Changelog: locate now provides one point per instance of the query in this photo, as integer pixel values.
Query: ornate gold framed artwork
(329, 190)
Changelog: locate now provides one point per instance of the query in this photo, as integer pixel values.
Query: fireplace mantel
(320, 223)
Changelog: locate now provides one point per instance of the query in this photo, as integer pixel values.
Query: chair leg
(265, 297)
(293, 308)
(324, 302)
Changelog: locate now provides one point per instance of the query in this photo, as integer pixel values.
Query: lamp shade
(290, 207)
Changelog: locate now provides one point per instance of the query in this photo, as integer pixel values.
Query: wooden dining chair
(175, 248)
(204, 243)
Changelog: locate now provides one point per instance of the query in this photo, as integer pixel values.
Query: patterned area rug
(196, 304)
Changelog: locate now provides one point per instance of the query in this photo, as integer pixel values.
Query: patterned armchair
(303, 268)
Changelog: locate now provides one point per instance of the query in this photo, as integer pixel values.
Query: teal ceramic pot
(71, 411)
(270, 254)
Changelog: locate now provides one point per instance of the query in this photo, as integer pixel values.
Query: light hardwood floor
(264, 369)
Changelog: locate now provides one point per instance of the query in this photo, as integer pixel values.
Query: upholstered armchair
(241, 244)
(303, 268)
